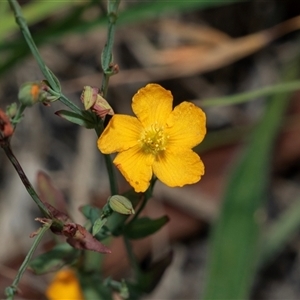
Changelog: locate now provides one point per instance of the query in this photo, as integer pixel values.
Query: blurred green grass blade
(34, 12)
(4, 8)
(18, 49)
(252, 95)
(236, 235)
(149, 9)
(281, 233)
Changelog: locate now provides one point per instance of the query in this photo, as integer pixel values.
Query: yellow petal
(178, 168)
(186, 126)
(121, 133)
(65, 286)
(136, 167)
(151, 104)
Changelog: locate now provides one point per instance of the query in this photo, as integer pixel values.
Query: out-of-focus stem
(107, 54)
(26, 182)
(12, 290)
(106, 60)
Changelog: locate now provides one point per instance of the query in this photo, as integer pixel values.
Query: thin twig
(51, 78)
(12, 290)
(106, 59)
(8, 151)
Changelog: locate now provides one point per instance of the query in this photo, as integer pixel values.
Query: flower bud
(31, 93)
(121, 205)
(11, 110)
(91, 99)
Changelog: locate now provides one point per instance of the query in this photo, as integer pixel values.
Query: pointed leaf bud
(99, 223)
(121, 205)
(11, 110)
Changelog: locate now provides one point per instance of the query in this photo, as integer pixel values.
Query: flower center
(153, 139)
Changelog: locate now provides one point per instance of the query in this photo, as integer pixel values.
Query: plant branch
(7, 149)
(16, 119)
(12, 290)
(106, 59)
(20, 20)
(132, 259)
(107, 55)
(147, 195)
(51, 78)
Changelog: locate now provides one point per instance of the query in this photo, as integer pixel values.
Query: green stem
(111, 175)
(29, 40)
(253, 95)
(69, 104)
(109, 165)
(26, 182)
(16, 119)
(12, 290)
(92, 261)
(51, 78)
(132, 259)
(107, 54)
(146, 197)
(106, 59)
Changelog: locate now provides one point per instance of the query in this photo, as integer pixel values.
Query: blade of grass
(151, 9)
(236, 235)
(34, 12)
(252, 95)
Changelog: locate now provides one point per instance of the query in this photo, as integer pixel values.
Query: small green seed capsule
(121, 205)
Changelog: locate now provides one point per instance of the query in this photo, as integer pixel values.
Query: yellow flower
(158, 141)
(65, 286)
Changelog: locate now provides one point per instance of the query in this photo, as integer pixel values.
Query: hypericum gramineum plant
(156, 144)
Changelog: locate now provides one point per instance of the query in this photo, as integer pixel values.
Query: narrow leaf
(55, 259)
(99, 223)
(75, 118)
(90, 212)
(143, 227)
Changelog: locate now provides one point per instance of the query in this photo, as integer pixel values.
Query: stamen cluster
(153, 139)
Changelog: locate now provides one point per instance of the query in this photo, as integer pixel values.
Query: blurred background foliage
(235, 234)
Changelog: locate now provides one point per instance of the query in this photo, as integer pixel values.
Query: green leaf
(57, 87)
(55, 259)
(34, 11)
(76, 118)
(90, 212)
(99, 223)
(143, 227)
(92, 287)
(94, 214)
